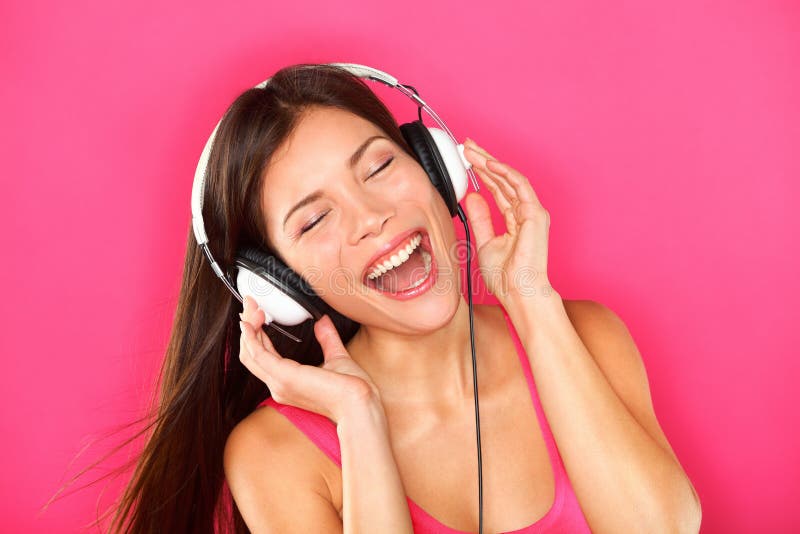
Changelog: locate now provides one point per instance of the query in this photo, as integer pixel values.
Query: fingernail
(241, 316)
(241, 326)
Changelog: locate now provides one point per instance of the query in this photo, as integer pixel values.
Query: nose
(368, 215)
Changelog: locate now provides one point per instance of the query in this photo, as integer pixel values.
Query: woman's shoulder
(268, 427)
(266, 444)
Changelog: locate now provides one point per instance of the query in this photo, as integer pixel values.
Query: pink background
(662, 137)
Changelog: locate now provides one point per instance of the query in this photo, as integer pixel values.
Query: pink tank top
(565, 514)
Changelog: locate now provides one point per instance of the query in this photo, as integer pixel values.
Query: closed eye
(318, 219)
(313, 223)
(379, 169)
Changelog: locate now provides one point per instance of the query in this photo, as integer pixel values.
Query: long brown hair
(178, 484)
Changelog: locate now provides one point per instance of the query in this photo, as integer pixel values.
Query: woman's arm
(620, 465)
(373, 496)
(372, 493)
(277, 490)
(625, 478)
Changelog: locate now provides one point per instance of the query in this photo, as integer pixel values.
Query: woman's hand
(328, 390)
(515, 263)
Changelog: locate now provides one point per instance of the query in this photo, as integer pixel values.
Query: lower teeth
(426, 258)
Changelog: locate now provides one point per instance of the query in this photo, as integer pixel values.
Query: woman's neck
(427, 369)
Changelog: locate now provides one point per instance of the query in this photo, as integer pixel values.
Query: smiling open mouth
(408, 268)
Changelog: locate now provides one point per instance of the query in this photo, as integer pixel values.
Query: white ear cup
(277, 305)
(454, 160)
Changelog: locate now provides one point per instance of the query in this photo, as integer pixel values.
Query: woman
(392, 378)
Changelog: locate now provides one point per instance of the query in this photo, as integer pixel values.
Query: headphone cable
(474, 371)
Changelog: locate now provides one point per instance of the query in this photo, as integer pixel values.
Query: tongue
(400, 278)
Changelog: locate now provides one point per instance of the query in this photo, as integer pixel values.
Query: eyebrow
(316, 195)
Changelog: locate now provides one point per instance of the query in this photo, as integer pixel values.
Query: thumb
(329, 340)
(480, 218)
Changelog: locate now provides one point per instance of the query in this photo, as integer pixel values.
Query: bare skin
(416, 355)
(434, 441)
(417, 352)
(517, 474)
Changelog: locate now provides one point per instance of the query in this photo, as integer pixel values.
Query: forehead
(316, 153)
(323, 139)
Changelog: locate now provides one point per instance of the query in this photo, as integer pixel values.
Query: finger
(329, 340)
(479, 162)
(501, 183)
(505, 203)
(506, 209)
(244, 352)
(515, 187)
(256, 317)
(246, 357)
(479, 165)
(249, 307)
(287, 380)
(486, 158)
(469, 143)
(475, 154)
(480, 219)
(499, 198)
(527, 205)
(517, 181)
(262, 355)
(265, 340)
(517, 190)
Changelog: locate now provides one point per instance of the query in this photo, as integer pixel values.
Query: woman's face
(330, 221)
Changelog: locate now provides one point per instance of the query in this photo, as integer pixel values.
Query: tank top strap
(566, 514)
(318, 428)
(552, 448)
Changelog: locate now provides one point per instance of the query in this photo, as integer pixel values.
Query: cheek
(323, 270)
(431, 196)
(417, 188)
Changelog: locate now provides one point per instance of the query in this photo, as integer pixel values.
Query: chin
(420, 315)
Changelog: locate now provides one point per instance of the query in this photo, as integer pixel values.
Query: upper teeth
(397, 259)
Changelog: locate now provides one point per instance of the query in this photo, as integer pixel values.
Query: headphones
(281, 293)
